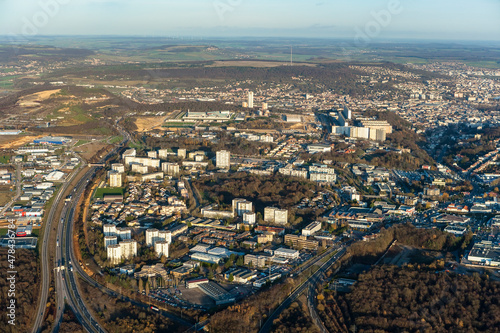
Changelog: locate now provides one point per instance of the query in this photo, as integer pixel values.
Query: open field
(4, 159)
(101, 192)
(6, 196)
(34, 100)
(145, 124)
(17, 141)
(88, 151)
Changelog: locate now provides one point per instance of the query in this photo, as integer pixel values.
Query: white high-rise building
(129, 152)
(114, 254)
(110, 240)
(250, 99)
(223, 159)
(115, 179)
(118, 167)
(249, 218)
(151, 236)
(241, 206)
(161, 248)
(129, 248)
(278, 216)
(124, 233)
(165, 236)
(171, 169)
(109, 230)
(182, 153)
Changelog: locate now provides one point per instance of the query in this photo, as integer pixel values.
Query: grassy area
(116, 139)
(135, 145)
(81, 142)
(177, 124)
(5, 197)
(101, 192)
(3, 232)
(7, 82)
(4, 159)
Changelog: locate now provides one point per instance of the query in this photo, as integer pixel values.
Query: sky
(477, 20)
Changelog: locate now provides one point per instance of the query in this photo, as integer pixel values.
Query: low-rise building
(286, 253)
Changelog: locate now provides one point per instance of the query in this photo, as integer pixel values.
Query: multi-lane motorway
(44, 255)
(66, 287)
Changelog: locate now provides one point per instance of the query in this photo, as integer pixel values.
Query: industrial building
(53, 140)
(485, 253)
(241, 275)
(217, 116)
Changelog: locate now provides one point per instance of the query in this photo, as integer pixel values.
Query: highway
(66, 290)
(44, 254)
(66, 285)
(297, 292)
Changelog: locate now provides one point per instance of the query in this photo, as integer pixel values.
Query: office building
(301, 242)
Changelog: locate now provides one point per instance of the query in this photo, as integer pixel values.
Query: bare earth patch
(145, 124)
(17, 141)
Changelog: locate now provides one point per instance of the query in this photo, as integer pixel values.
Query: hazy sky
(427, 19)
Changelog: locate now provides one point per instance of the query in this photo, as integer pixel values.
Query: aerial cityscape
(233, 166)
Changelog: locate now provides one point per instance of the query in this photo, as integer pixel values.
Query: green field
(7, 82)
(4, 159)
(101, 192)
(177, 124)
(81, 142)
(116, 139)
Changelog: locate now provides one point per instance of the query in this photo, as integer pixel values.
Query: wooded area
(411, 299)
(27, 284)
